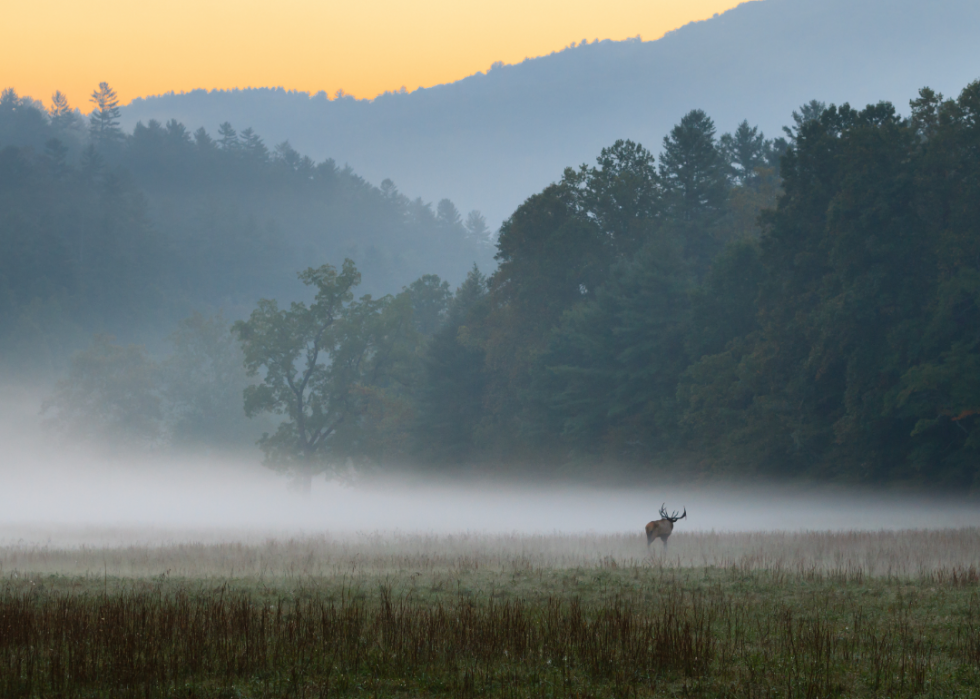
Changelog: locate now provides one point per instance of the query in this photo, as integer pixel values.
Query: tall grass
(809, 615)
(138, 644)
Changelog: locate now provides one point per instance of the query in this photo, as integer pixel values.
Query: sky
(363, 48)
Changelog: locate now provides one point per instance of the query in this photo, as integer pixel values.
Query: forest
(127, 233)
(802, 307)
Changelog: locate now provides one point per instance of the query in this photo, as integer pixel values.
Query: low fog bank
(75, 503)
(63, 495)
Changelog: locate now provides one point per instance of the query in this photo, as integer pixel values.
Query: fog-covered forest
(731, 306)
(126, 233)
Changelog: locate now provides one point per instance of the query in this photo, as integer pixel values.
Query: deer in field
(662, 528)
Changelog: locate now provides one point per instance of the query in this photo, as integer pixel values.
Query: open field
(806, 614)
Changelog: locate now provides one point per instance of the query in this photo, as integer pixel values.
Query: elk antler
(673, 517)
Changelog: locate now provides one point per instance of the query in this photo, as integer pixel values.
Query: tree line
(800, 307)
(126, 233)
(635, 318)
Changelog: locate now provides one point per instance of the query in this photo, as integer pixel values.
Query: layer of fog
(59, 493)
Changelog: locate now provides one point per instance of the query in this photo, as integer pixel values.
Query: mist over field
(60, 494)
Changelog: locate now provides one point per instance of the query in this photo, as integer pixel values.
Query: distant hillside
(488, 141)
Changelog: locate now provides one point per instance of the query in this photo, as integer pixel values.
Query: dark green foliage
(744, 151)
(430, 297)
(724, 307)
(802, 308)
(637, 315)
(693, 174)
(622, 196)
(864, 362)
(450, 401)
(338, 370)
(610, 372)
(79, 252)
(311, 360)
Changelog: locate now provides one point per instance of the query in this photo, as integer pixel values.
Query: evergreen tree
(104, 119)
(451, 399)
(621, 196)
(744, 151)
(693, 177)
(476, 227)
(692, 171)
(449, 217)
(228, 137)
(609, 376)
(253, 147)
(204, 142)
(63, 117)
(430, 297)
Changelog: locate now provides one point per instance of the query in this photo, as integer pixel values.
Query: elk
(662, 528)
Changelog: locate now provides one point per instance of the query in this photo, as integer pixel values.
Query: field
(810, 614)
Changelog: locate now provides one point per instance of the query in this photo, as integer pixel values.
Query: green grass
(766, 615)
(602, 632)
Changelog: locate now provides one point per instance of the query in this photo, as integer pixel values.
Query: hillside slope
(489, 140)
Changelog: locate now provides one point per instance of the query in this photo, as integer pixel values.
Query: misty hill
(487, 141)
(103, 231)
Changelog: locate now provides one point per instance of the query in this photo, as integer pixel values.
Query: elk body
(661, 528)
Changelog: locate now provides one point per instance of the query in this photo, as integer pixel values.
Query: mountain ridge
(489, 140)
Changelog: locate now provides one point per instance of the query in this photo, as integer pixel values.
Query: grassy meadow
(772, 614)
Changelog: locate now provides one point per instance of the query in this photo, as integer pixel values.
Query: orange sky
(363, 47)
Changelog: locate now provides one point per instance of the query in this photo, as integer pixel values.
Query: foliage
(609, 374)
(127, 233)
(202, 382)
(331, 368)
(190, 399)
(801, 307)
(110, 395)
(104, 120)
(637, 315)
(451, 394)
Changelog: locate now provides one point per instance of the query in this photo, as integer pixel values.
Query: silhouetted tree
(744, 151)
(228, 137)
(104, 119)
(63, 117)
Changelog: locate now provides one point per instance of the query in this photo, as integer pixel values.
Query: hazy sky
(363, 48)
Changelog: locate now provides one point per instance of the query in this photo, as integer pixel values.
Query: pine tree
(692, 170)
(450, 407)
(693, 176)
(104, 120)
(744, 152)
(62, 116)
(228, 137)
